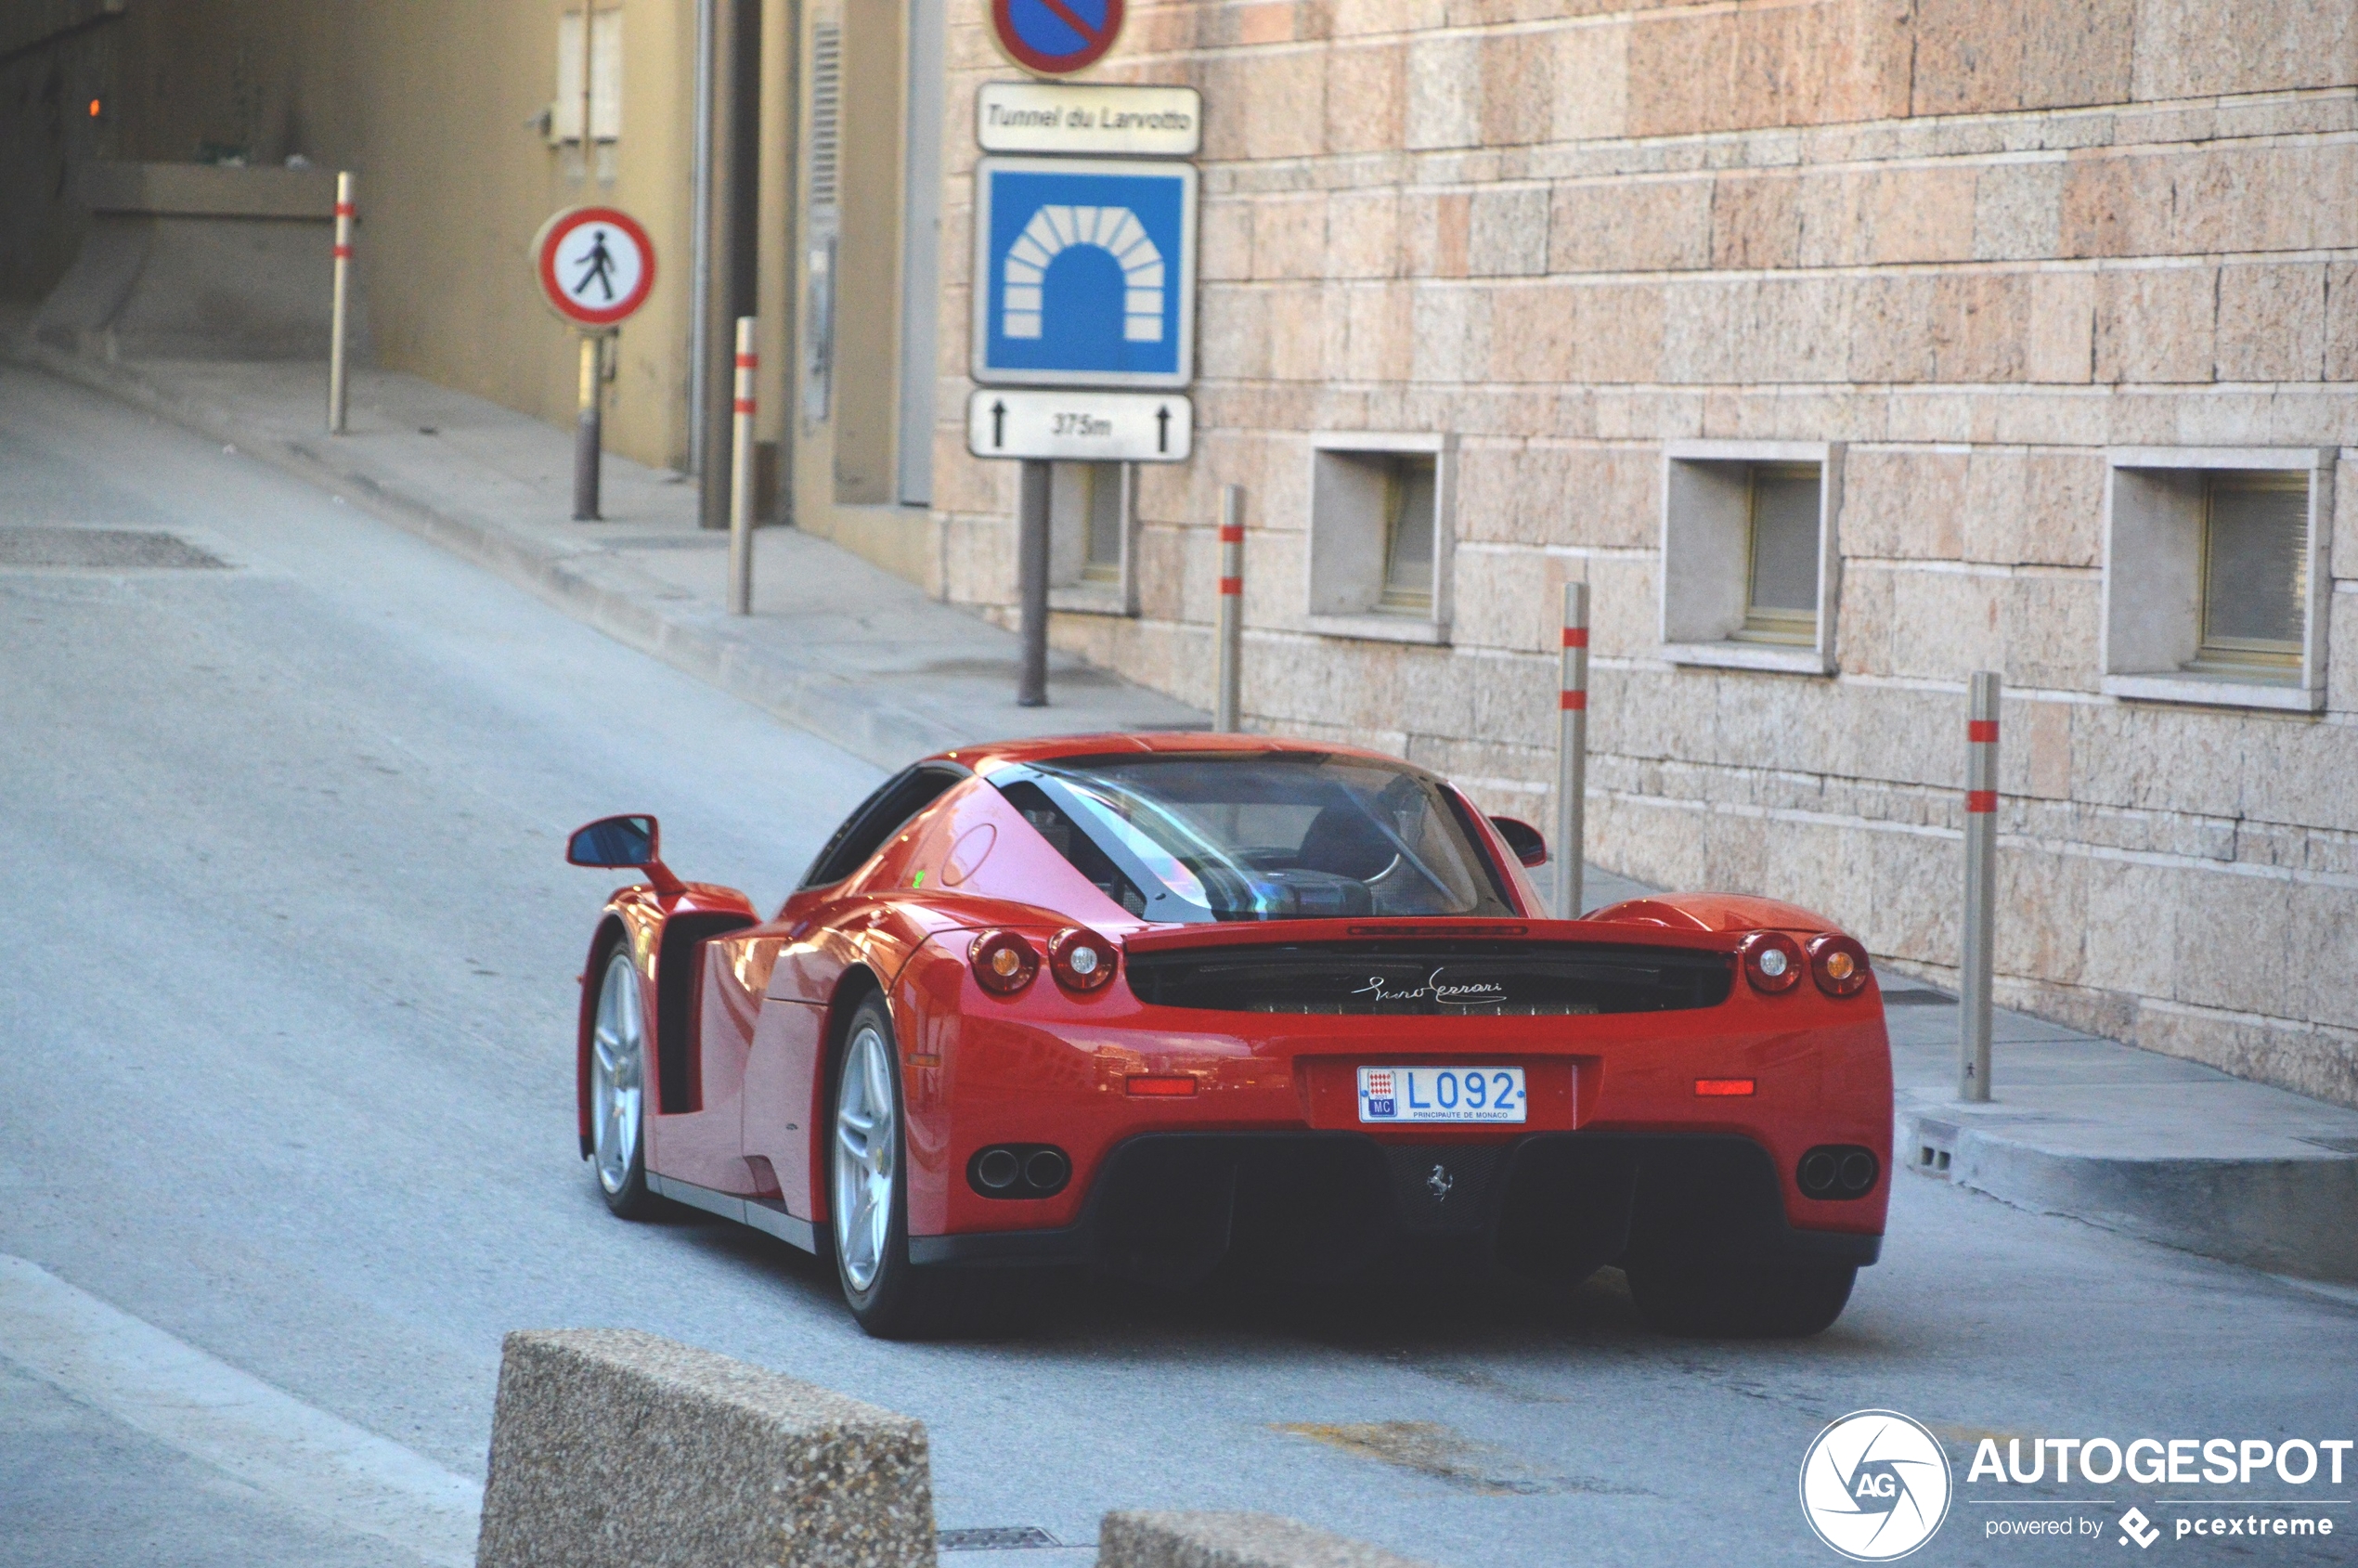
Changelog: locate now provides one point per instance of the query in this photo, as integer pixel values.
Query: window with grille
(1408, 506)
(1090, 507)
(1781, 568)
(1085, 521)
(1750, 573)
(2215, 585)
(2255, 573)
(1380, 535)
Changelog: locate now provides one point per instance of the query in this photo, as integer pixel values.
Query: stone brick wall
(1978, 242)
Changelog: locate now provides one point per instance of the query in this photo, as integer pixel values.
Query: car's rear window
(1263, 835)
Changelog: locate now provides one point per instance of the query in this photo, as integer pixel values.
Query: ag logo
(1875, 1485)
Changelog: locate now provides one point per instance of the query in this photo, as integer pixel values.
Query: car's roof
(986, 755)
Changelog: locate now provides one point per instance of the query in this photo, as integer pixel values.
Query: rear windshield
(1270, 836)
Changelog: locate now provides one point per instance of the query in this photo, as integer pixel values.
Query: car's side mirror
(622, 843)
(1522, 838)
(616, 843)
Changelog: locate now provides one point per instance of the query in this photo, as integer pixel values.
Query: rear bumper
(1171, 1207)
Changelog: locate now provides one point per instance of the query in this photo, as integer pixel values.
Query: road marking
(206, 1407)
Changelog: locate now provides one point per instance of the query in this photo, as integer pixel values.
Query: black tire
(619, 1064)
(889, 1297)
(1761, 1301)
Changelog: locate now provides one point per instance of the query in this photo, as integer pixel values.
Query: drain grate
(100, 549)
(995, 1537)
(1917, 999)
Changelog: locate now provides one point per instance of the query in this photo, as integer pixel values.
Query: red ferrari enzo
(1165, 1003)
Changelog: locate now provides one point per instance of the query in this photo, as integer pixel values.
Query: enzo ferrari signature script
(1448, 995)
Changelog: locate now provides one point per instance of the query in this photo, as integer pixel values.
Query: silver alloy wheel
(617, 1074)
(866, 1154)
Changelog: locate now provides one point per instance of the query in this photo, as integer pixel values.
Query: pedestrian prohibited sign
(1055, 36)
(1088, 272)
(595, 264)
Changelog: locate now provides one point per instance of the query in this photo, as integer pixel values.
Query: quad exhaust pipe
(1019, 1170)
(1838, 1172)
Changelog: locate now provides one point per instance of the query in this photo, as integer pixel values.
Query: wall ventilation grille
(826, 113)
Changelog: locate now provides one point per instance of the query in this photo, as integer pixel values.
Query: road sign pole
(1032, 575)
(733, 244)
(1571, 755)
(741, 478)
(587, 435)
(339, 342)
(1226, 715)
(1977, 970)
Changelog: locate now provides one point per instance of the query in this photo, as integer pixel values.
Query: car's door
(702, 1144)
(821, 930)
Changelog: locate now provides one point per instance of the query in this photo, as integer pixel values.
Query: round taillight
(1772, 962)
(1003, 961)
(1838, 964)
(1083, 961)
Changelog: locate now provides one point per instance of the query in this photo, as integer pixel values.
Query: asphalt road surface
(288, 984)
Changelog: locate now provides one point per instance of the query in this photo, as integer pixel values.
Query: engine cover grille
(1439, 978)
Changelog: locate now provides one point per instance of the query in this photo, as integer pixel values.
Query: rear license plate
(1441, 1094)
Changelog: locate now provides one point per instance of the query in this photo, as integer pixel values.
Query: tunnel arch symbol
(1116, 231)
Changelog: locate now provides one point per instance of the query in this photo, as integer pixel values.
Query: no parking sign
(1056, 37)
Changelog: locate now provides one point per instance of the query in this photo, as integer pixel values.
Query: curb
(590, 584)
(2288, 1217)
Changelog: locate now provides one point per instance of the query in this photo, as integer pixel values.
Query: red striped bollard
(339, 399)
(1232, 611)
(1572, 754)
(740, 476)
(1979, 959)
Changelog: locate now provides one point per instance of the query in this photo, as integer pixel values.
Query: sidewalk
(836, 645)
(2147, 1145)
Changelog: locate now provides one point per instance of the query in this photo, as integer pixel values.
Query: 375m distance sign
(1075, 425)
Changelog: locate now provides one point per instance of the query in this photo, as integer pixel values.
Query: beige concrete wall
(433, 103)
(440, 92)
(1980, 241)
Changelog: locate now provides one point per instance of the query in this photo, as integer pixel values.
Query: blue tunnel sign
(1085, 272)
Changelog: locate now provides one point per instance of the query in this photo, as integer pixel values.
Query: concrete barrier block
(613, 1446)
(1231, 1540)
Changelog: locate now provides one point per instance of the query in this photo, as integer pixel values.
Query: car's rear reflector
(1709, 1085)
(1174, 1085)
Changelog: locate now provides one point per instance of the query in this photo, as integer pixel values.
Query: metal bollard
(1229, 654)
(588, 435)
(1572, 754)
(1981, 890)
(741, 478)
(339, 388)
